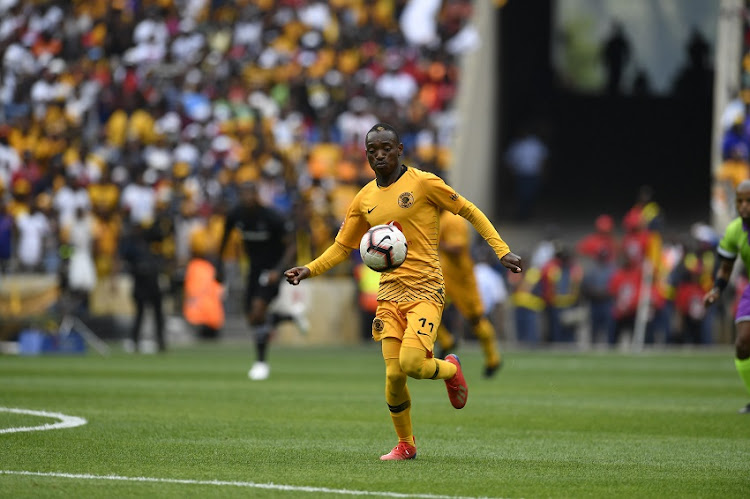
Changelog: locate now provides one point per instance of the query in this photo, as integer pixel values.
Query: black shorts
(258, 287)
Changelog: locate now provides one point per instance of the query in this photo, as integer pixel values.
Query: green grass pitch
(551, 424)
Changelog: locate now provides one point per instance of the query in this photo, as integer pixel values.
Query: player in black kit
(267, 242)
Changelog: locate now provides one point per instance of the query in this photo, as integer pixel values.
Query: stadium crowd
(129, 114)
(622, 280)
(154, 111)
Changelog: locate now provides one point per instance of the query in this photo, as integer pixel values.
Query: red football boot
(458, 392)
(401, 452)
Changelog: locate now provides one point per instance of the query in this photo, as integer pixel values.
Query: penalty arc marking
(65, 421)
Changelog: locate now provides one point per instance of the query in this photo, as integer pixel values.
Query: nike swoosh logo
(423, 334)
(370, 210)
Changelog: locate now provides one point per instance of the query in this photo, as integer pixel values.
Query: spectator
(202, 305)
(595, 291)
(526, 157)
(601, 242)
(34, 229)
(528, 306)
(81, 278)
(691, 311)
(561, 282)
(6, 236)
(144, 266)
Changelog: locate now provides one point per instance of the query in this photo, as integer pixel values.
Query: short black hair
(380, 127)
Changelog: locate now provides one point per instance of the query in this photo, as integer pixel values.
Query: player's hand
(711, 296)
(296, 274)
(512, 262)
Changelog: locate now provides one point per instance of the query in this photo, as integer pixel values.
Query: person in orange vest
(202, 305)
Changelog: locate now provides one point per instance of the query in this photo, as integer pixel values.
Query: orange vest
(202, 304)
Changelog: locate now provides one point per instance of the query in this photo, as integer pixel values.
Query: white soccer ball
(383, 248)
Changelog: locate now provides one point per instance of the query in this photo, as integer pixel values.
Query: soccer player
(410, 298)
(266, 239)
(462, 290)
(735, 242)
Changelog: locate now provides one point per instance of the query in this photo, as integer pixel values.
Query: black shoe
(745, 410)
(489, 371)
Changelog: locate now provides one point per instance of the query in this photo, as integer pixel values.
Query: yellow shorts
(414, 323)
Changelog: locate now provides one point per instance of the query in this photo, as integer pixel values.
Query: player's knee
(412, 362)
(395, 377)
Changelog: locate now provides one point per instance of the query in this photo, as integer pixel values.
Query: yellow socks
(485, 333)
(398, 399)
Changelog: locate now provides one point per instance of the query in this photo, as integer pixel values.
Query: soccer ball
(383, 248)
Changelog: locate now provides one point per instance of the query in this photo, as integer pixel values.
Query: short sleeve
(728, 246)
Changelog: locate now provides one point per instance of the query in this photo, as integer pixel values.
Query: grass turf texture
(550, 424)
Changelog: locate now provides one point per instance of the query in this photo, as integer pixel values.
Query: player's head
(383, 147)
(382, 127)
(742, 200)
(248, 193)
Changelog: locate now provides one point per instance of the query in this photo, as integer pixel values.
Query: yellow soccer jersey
(414, 202)
(458, 269)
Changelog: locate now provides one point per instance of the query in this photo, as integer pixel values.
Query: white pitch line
(252, 485)
(65, 420)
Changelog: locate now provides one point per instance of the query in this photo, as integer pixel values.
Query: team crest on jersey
(454, 196)
(406, 199)
(378, 325)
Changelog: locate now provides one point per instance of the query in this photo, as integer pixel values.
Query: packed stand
(125, 118)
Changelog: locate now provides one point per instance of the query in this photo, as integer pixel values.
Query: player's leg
(416, 359)
(160, 323)
(742, 350)
(256, 309)
(485, 333)
(135, 330)
(399, 402)
(469, 303)
(388, 328)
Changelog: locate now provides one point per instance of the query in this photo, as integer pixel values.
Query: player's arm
(335, 254)
(485, 228)
(720, 281)
(229, 222)
(287, 258)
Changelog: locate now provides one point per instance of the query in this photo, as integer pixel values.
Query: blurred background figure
(596, 293)
(267, 242)
(81, 272)
(602, 241)
(462, 292)
(528, 306)
(143, 261)
(560, 286)
(6, 237)
(616, 54)
(202, 304)
(527, 157)
(34, 232)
